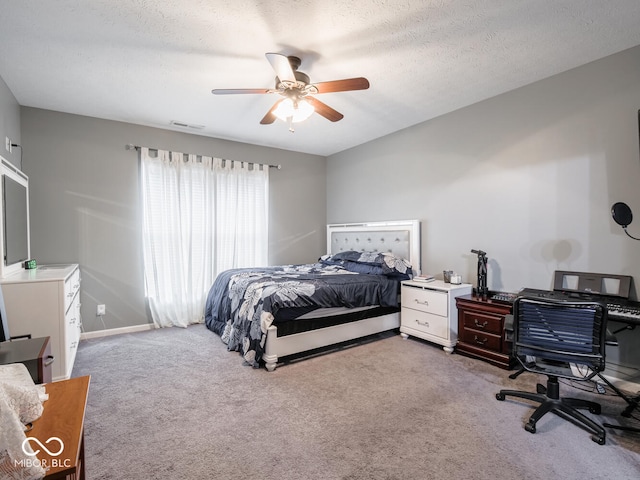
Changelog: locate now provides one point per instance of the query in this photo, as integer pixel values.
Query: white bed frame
(399, 237)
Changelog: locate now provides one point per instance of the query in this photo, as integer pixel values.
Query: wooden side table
(63, 418)
(34, 353)
(481, 330)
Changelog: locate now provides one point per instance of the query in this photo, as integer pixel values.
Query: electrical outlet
(102, 310)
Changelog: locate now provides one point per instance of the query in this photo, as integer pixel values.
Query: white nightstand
(429, 311)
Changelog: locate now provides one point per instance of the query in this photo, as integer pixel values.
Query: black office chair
(561, 340)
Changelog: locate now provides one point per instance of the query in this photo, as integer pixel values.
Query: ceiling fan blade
(281, 65)
(345, 85)
(234, 91)
(325, 110)
(270, 117)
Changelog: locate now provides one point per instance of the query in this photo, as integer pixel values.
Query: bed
(351, 292)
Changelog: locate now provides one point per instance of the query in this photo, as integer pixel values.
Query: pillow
(362, 268)
(353, 256)
(396, 266)
(376, 263)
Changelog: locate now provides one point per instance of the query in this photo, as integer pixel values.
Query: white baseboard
(116, 331)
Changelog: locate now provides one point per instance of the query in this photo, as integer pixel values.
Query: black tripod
(482, 290)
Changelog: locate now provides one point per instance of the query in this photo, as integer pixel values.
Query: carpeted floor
(174, 404)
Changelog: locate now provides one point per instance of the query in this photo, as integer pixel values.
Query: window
(201, 216)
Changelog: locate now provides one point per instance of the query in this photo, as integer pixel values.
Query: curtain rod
(130, 146)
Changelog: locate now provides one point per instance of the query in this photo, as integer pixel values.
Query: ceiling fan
(296, 88)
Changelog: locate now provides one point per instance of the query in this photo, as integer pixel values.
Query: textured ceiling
(151, 62)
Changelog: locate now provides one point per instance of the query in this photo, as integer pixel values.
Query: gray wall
(85, 206)
(9, 123)
(528, 176)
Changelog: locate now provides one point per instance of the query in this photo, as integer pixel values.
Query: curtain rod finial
(130, 146)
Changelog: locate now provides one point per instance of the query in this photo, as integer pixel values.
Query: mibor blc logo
(54, 448)
(51, 439)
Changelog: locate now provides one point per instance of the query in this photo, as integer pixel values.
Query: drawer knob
(480, 325)
(425, 323)
(423, 302)
(480, 341)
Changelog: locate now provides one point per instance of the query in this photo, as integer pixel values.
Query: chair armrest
(508, 327)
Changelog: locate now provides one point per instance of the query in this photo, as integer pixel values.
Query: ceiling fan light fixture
(288, 110)
(296, 88)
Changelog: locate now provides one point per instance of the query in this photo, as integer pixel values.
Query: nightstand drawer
(482, 322)
(425, 322)
(481, 339)
(71, 287)
(428, 301)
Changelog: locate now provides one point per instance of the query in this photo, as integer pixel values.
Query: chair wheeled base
(567, 408)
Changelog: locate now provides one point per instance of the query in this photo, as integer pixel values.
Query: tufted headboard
(401, 238)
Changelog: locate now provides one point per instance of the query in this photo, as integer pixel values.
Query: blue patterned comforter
(242, 303)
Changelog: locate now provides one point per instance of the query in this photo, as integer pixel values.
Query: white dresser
(429, 311)
(45, 302)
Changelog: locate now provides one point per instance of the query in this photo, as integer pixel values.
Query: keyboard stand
(632, 404)
(628, 326)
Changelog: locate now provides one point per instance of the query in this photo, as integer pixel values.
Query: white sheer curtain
(201, 215)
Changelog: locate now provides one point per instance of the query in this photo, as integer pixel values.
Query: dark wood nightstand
(34, 353)
(481, 330)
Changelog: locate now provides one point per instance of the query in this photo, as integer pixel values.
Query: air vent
(177, 123)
